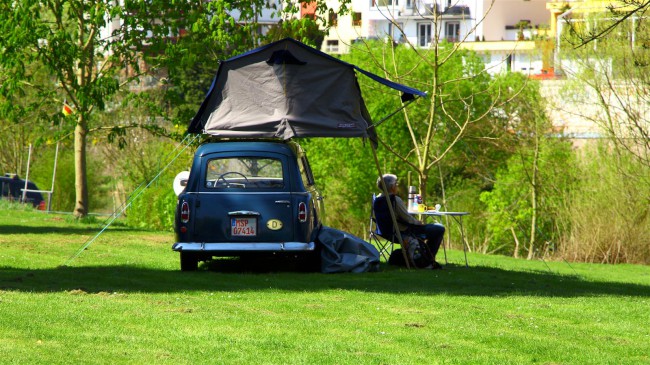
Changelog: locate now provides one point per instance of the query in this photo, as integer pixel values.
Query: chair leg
(385, 248)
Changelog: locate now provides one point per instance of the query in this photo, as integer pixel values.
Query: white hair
(389, 179)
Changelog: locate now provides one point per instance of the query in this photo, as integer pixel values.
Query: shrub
(511, 217)
(608, 210)
(153, 208)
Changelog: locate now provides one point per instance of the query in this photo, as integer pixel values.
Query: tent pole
(375, 125)
(390, 206)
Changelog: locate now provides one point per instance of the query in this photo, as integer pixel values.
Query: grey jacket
(403, 217)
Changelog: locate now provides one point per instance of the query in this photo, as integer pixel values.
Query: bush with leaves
(509, 205)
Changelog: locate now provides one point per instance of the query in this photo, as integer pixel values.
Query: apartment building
(501, 31)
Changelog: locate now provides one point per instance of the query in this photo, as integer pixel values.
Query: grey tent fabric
(344, 252)
(287, 89)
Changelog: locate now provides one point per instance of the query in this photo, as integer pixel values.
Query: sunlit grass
(124, 300)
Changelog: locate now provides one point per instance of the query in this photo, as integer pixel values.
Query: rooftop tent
(287, 89)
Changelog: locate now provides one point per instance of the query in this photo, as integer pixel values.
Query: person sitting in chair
(407, 224)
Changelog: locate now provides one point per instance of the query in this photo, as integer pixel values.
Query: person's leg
(434, 233)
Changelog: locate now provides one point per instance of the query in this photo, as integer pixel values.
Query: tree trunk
(81, 179)
(515, 253)
(534, 193)
(423, 186)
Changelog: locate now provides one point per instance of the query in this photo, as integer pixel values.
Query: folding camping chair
(384, 245)
(381, 223)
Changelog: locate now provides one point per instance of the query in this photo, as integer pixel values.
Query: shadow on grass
(15, 229)
(455, 280)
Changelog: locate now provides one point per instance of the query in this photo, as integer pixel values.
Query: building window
(332, 46)
(409, 4)
(377, 3)
(333, 18)
(424, 34)
(452, 31)
(394, 32)
(356, 19)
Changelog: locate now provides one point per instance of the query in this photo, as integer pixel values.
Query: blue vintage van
(247, 198)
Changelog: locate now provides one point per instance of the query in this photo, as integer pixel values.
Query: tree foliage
(87, 68)
(151, 44)
(470, 161)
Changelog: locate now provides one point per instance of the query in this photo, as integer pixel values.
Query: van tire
(189, 261)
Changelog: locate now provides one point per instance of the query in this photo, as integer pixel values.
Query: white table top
(438, 213)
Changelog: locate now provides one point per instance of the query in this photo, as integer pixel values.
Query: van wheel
(189, 261)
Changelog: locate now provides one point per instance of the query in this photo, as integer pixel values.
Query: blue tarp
(344, 252)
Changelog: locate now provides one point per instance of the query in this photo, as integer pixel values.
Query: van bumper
(224, 247)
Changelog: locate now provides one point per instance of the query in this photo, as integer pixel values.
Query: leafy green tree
(305, 30)
(23, 123)
(344, 172)
(87, 67)
(461, 97)
(528, 192)
(484, 147)
(525, 205)
(94, 72)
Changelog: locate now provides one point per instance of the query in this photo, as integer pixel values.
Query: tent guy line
(118, 212)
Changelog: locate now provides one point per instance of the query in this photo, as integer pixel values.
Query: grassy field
(124, 300)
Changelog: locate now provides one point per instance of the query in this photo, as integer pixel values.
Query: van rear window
(244, 173)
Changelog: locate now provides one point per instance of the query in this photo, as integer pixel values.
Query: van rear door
(244, 197)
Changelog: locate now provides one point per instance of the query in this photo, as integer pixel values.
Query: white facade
(509, 56)
(490, 29)
(418, 22)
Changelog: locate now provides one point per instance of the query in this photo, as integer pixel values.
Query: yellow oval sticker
(274, 224)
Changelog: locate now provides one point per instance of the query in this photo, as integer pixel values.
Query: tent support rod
(390, 206)
(124, 206)
(375, 125)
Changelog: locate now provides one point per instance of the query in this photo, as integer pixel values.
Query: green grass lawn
(124, 300)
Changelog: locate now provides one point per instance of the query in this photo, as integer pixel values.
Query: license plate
(246, 227)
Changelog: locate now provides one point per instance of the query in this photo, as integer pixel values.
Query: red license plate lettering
(245, 227)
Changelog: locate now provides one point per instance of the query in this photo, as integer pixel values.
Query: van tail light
(185, 212)
(302, 212)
